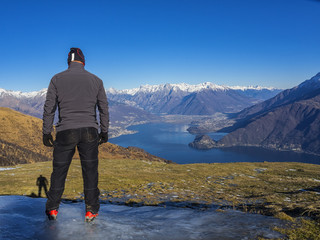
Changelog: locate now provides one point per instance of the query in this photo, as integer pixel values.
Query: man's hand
(103, 137)
(47, 140)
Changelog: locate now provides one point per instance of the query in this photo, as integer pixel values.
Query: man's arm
(102, 103)
(50, 107)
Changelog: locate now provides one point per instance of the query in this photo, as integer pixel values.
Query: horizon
(163, 84)
(130, 44)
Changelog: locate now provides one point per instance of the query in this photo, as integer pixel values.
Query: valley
(154, 103)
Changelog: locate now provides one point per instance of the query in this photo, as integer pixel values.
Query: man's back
(77, 92)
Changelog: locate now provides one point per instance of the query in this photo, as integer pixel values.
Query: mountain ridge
(185, 87)
(289, 121)
(182, 99)
(150, 88)
(186, 99)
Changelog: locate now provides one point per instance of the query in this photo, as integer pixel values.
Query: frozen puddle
(6, 168)
(23, 218)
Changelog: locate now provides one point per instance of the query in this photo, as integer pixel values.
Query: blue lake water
(170, 141)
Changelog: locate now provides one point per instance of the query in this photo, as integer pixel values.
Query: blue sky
(128, 43)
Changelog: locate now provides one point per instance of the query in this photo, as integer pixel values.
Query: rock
(203, 142)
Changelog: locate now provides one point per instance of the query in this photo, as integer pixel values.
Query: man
(76, 93)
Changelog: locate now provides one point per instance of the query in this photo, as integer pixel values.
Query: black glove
(47, 140)
(103, 137)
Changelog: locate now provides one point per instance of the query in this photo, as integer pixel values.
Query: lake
(170, 141)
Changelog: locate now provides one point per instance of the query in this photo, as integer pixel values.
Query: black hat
(76, 54)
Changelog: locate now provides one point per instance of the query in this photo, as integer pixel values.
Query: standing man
(76, 92)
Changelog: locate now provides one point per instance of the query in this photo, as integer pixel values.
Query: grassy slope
(261, 187)
(23, 131)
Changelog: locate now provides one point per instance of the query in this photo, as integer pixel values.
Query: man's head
(76, 55)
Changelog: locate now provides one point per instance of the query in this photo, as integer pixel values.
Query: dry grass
(267, 188)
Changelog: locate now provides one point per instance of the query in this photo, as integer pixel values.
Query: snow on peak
(184, 87)
(252, 88)
(19, 94)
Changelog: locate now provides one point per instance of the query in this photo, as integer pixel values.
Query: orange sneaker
(90, 216)
(52, 215)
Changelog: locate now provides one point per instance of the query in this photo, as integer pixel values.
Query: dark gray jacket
(76, 92)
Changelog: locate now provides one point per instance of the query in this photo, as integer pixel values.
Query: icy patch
(23, 218)
(291, 170)
(7, 168)
(260, 170)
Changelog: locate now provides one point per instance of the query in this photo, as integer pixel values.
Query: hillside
(21, 142)
(289, 121)
(19, 134)
(285, 97)
(294, 126)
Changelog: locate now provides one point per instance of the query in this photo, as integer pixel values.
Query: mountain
(209, 102)
(289, 121)
(201, 99)
(284, 97)
(31, 103)
(21, 142)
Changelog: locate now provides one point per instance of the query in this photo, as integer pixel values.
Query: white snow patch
(6, 168)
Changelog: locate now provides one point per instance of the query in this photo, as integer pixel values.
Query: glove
(103, 137)
(47, 140)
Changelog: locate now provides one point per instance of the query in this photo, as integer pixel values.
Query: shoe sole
(87, 219)
(52, 217)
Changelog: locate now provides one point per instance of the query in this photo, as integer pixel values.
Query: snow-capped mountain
(19, 94)
(30, 103)
(201, 99)
(185, 88)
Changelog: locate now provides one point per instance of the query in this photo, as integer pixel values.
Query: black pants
(86, 140)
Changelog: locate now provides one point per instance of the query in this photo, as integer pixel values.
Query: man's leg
(88, 151)
(62, 155)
